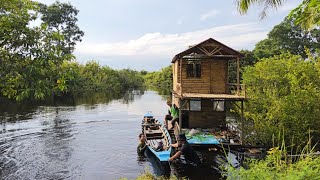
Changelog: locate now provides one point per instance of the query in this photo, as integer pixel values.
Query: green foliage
(30, 56)
(148, 176)
(284, 37)
(162, 79)
(61, 18)
(243, 5)
(36, 61)
(280, 165)
(92, 77)
(248, 60)
(307, 14)
(288, 37)
(283, 94)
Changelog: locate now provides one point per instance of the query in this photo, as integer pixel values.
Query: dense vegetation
(160, 79)
(282, 78)
(284, 92)
(36, 46)
(280, 165)
(284, 37)
(77, 78)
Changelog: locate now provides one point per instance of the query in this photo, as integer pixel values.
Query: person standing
(173, 114)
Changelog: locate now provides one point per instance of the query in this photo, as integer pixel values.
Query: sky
(146, 34)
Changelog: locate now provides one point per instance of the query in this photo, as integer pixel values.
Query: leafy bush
(284, 94)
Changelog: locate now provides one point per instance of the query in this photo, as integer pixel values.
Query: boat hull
(158, 139)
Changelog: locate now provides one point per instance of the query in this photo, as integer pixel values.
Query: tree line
(36, 46)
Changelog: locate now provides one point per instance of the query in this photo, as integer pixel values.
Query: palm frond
(243, 5)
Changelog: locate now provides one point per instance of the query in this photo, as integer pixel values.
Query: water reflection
(132, 95)
(165, 93)
(92, 137)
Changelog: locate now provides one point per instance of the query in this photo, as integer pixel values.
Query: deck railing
(237, 89)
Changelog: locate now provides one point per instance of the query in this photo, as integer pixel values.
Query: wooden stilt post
(180, 115)
(180, 76)
(180, 111)
(238, 75)
(242, 124)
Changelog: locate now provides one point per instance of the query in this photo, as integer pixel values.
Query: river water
(87, 139)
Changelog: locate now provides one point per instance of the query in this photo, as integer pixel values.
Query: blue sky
(146, 34)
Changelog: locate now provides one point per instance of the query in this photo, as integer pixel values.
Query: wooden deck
(213, 96)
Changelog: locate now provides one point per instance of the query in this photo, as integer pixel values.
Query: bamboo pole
(242, 124)
(180, 114)
(238, 75)
(180, 76)
(180, 111)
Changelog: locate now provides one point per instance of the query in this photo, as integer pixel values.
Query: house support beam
(180, 114)
(242, 125)
(238, 75)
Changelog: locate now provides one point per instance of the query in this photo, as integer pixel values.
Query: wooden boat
(157, 137)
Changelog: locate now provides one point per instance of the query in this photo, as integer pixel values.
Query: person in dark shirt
(142, 145)
(186, 150)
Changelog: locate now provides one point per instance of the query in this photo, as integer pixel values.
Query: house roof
(210, 48)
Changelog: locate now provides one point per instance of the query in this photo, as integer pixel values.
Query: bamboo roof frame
(219, 51)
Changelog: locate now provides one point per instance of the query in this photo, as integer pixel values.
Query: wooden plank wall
(219, 74)
(207, 118)
(213, 79)
(176, 75)
(197, 85)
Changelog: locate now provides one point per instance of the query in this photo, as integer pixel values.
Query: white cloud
(238, 36)
(211, 14)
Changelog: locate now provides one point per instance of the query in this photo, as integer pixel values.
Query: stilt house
(200, 84)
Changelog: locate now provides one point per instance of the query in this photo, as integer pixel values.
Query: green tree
(284, 95)
(161, 79)
(62, 19)
(307, 14)
(30, 56)
(248, 60)
(288, 37)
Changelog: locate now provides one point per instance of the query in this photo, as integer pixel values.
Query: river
(87, 139)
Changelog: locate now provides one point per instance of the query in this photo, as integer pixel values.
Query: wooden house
(200, 84)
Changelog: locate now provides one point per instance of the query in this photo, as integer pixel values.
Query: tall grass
(280, 163)
(147, 175)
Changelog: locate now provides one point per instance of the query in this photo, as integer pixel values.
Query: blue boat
(158, 139)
